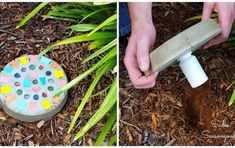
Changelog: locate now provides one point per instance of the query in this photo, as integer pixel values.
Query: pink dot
(33, 75)
(61, 83)
(3, 79)
(36, 89)
(32, 106)
(33, 58)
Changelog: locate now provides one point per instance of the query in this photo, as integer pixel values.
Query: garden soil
(172, 113)
(31, 39)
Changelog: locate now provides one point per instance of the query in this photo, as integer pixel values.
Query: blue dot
(23, 69)
(35, 97)
(48, 73)
(17, 75)
(26, 96)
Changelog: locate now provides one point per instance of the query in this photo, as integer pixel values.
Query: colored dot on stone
(17, 83)
(44, 95)
(41, 67)
(23, 69)
(17, 75)
(32, 67)
(35, 97)
(51, 81)
(35, 81)
(48, 73)
(19, 92)
(26, 96)
(50, 88)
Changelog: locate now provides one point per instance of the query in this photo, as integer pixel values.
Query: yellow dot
(5, 89)
(58, 73)
(23, 60)
(46, 104)
(56, 99)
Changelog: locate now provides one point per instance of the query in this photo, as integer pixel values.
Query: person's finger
(145, 82)
(207, 10)
(225, 22)
(130, 61)
(143, 46)
(214, 41)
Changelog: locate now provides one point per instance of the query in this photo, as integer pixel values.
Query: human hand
(136, 58)
(226, 15)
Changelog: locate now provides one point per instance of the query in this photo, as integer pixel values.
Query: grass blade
(85, 37)
(58, 18)
(106, 67)
(108, 102)
(98, 43)
(232, 98)
(83, 27)
(107, 126)
(93, 13)
(110, 55)
(31, 14)
(62, 14)
(213, 15)
(107, 21)
(102, 91)
(101, 3)
(79, 38)
(112, 140)
(71, 11)
(101, 50)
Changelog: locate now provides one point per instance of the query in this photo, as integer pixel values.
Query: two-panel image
(117, 73)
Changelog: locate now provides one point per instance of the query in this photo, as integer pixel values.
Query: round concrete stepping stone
(28, 85)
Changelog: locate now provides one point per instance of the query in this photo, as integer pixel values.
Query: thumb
(143, 46)
(207, 10)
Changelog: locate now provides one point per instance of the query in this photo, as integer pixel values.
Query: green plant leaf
(80, 38)
(101, 50)
(98, 43)
(102, 91)
(102, 70)
(58, 18)
(198, 17)
(108, 102)
(112, 140)
(93, 13)
(31, 14)
(232, 98)
(107, 21)
(101, 3)
(62, 14)
(107, 126)
(65, 88)
(83, 27)
(71, 11)
(85, 37)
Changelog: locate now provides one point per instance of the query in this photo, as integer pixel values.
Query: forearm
(140, 12)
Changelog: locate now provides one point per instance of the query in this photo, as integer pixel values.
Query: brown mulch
(31, 39)
(172, 113)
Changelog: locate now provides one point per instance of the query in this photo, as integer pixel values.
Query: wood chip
(3, 118)
(40, 123)
(130, 138)
(30, 143)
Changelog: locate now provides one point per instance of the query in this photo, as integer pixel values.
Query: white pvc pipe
(192, 70)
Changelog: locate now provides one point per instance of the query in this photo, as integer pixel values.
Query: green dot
(35, 81)
(50, 88)
(19, 92)
(32, 67)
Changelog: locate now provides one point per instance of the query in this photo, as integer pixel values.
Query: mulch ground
(31, 39)
(172, 113)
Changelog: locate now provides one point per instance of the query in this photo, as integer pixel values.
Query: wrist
(140, 24)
